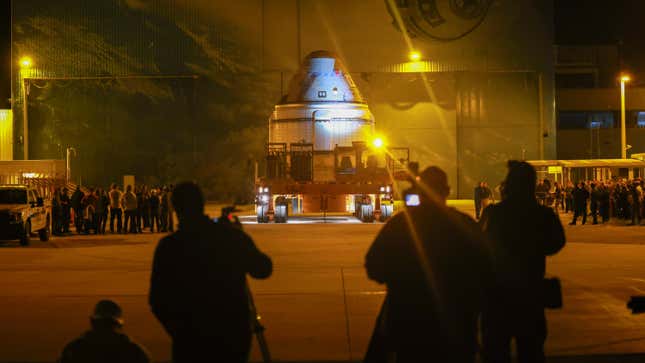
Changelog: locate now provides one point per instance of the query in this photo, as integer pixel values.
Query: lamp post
(68, 163)
(623, 131)
(25, 65)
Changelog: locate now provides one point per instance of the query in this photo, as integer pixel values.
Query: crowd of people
(455, 288)
(602, 200)
(620, 199)
(133, 211)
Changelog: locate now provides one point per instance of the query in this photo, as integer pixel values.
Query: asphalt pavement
(318, 305)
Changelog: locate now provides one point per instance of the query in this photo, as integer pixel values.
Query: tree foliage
(210, 128)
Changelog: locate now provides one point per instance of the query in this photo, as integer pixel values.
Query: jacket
(129, 201)
(433, 261)
(520, 234)
(103, 347)
(115, 199)
(198, 280)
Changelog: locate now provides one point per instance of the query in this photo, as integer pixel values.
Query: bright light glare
(377, 143)
(260, 190)
(25, 62)
(265, 198)
(266, 190)
(414, 56)
(625, 78)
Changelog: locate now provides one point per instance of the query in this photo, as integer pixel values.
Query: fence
(41, 174)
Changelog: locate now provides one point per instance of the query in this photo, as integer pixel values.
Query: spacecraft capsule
(323, 107)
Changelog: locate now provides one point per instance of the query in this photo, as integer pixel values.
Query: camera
(412, 200)
(637, 304)
(227, 217)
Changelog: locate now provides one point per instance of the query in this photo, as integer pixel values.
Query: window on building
(322, 94)
(600, 120)
(568, 120)
(572, 120)
(640, 119)
(575, 80)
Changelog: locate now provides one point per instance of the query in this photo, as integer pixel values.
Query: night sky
(604, 22)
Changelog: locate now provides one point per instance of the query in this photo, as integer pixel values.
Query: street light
(623, 132)
(25, 62)
(377, 143)
(414, 56)
(25, 70)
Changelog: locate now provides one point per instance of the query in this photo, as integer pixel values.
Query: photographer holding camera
(435, 267)
(520, 233)
(198, 284)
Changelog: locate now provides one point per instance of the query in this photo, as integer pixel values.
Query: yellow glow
(414, 56)
(6, 135)
(25, 62)
(625, 78)
(378, 143)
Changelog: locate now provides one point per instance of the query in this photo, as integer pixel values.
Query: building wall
(479, 103)
(587, 66)
(598, 143)
(584, 141)
(6, 135)
(468, 121)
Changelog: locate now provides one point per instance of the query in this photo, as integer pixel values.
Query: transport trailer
(324, 154)
(366, 190)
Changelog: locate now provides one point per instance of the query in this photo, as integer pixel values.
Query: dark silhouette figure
(105, 342)
(115, 208)
(479, 190)
(153, 202)
(102, 205)
(198, 284)
(65, 204)
(77, 206)
(580, 198)
(605, 203)
(129, 202)
(433, 261)
(520, 233)
(594, 205)
(57, 213)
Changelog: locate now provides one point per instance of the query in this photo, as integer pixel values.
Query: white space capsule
(323, 107)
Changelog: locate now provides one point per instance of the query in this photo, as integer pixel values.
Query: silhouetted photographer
(105, 342)
(520, 234)
(433, 261)
(198, 285)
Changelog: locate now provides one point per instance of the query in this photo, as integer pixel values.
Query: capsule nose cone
(323, 78)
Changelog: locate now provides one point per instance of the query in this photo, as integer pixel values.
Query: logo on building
(438, 19)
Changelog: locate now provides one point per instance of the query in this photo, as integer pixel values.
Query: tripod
(257, 328)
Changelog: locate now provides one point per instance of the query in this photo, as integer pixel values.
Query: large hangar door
(497, 120)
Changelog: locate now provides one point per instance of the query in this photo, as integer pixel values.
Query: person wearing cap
(105, 342)
(198, 286)
(433, 261)
(520, 233)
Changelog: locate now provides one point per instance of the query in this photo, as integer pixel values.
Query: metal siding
(6, 135)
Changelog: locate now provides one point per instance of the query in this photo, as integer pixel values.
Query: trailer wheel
(263, 216)
(366, 213)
